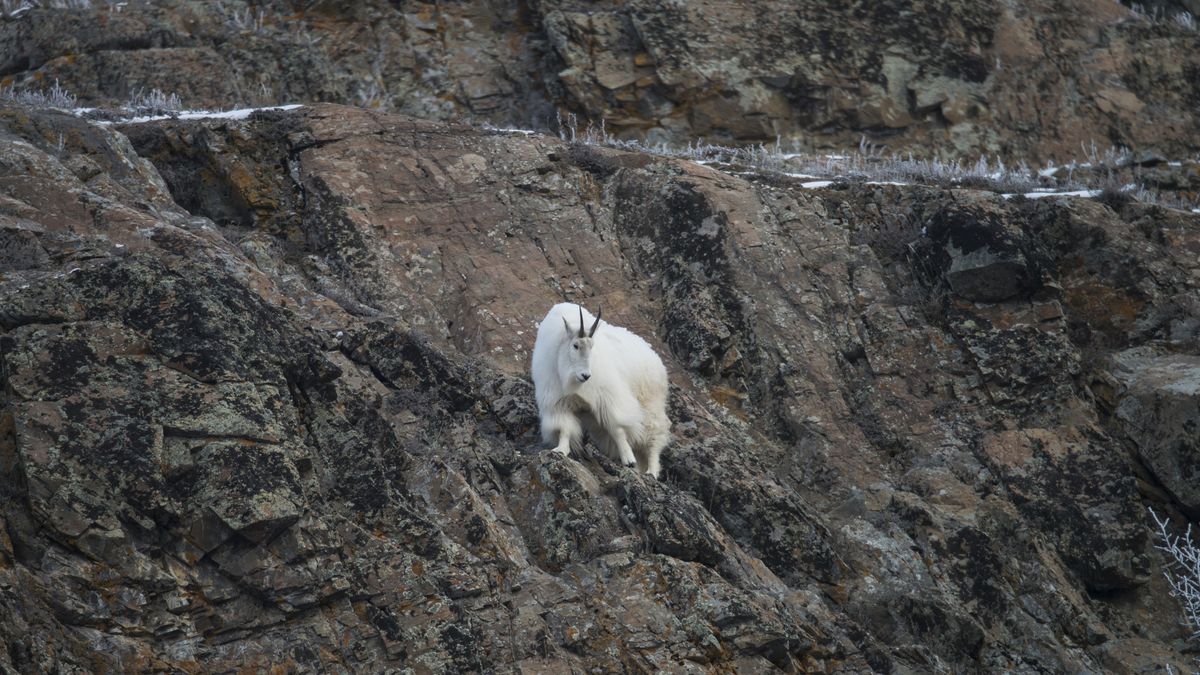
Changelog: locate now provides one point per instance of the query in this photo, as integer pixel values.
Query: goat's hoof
(630, 465)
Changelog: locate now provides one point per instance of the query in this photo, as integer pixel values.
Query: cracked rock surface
(265, 404)
(1032, 79)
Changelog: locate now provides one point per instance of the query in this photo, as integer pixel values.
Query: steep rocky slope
(1031, 79)
(265, 404)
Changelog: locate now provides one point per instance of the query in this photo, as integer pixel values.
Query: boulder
(1159, 408)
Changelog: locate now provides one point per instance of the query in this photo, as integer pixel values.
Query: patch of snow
(1038, 195)
(885, 182)
(525, 132)
(816, 184)
(1174, 163)
(239, 114)
(800, 175)
(1049, 171)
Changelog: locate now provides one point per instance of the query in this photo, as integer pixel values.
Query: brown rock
(960, 78)
(291, 425)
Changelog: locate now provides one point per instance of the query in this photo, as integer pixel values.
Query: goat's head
(575, 357)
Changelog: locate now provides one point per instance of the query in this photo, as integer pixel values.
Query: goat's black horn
(581, 321)
(596, 323)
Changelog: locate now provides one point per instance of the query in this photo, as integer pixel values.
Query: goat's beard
(571, 383)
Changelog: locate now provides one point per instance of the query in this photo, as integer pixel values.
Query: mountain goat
(604, 380)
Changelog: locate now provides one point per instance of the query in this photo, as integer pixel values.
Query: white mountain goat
(605, 380)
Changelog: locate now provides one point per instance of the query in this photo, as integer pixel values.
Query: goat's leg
(569, 433)
(564, 443)
(624, 450)
(652, 466)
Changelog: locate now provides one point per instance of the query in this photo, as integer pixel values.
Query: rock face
(265, 404)
(1161, 411)
(1033, 79)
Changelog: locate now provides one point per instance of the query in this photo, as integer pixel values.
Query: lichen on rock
(265, 404)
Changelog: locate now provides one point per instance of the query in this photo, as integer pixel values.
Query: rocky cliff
(265, 405)
(1026, 79)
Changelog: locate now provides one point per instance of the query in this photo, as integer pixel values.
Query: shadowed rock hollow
(265, 404)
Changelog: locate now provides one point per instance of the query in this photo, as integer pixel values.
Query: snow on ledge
(506, 130)
(239, 114)
(818, 184)
(1089, 194)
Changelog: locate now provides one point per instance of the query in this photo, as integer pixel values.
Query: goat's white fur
(610, 384)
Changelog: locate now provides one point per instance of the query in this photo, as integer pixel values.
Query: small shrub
(154, 102)
(54, 97)
(1115, 198)
(1182, 571)
(250, 19)
(1158, 15)
(11, 9)
(372, 96)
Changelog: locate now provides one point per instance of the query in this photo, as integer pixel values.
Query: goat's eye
(574, 346)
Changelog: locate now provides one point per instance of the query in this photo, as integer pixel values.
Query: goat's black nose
(585, 377)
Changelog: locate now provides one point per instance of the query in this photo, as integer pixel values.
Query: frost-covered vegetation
(12, 9)
(868, 163)
(248, 19)
(1111, 174)
(1182, 570)
(1157, 14)
(53, 97)
(153, 102)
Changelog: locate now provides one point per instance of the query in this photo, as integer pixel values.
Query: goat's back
(629, 356)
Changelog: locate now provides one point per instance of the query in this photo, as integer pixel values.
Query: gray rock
(1159, 407)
